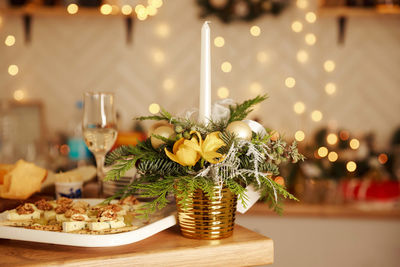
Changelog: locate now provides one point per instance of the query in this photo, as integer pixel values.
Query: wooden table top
(168, 248)
(353, 211)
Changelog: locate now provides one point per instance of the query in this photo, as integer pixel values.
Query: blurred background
(330, 68)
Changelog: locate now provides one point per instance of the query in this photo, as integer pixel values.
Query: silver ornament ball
(240, 129)
(164, 131)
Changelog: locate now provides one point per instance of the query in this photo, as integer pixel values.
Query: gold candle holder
(202, 217)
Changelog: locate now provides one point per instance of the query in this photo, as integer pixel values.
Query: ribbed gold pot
(208, 218)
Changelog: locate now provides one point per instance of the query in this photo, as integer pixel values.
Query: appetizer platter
(85, 222)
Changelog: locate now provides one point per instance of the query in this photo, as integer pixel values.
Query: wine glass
(99, 127)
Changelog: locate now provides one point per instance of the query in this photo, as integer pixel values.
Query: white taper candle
(205, 75)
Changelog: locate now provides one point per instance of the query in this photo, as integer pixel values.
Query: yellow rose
(208, 148)
(183, 154)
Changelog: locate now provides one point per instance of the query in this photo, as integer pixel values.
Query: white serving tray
(159, 222)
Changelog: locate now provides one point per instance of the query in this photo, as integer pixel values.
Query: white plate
(159, 222)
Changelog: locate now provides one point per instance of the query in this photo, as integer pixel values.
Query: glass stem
(100, 171)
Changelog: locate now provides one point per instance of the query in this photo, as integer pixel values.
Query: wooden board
(168, 248)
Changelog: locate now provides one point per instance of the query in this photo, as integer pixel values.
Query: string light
(262, 56)
(158, 56)
(255, 31)
(310, 39)
(141, 12)
(106, 9)
(297, 26)
(114, 9)
(330, 88)
(311, 17)
(223, 92)
(19, 95)
(382, 158)
(354, 144)
(154, 108)
(351, 166)
(256, 88)
(299, 107)
(316, 115)
(344, 135)
(126, 10)
(10, 40)
(168, 84)
(13, 70)
(299, 136)
(290, 82)
(226, 67)
(219, 41)
(302, 4)
(302, 56)
(72, 9)
(333, 156)
(322, 151)
(163, 30)
(155, 3)
(151, 10)
(329, 66)
(332, 139)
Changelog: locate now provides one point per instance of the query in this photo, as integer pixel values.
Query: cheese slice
(50, 214)
(12, 215)
(73, 226)
(98, 226)
(61, 218)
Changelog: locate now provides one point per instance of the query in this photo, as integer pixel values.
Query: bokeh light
(344, 135)
(19, 95)
(13, 70)
(322, 151)
(316, 115)
(126, 10)
(255, 88)
(351, 166)
(154, 108)
(226, 67)
(290, 82)
(330, 88)
(354, 143)
(168, 84)
(333, 156)
(302, 56)
(219, 41)
(255, 31)
(299, 107)
(223, 92)
(311, 17)
(299, 136)
(72, 9)
(382, 158)
(106, 9)
(331, 139)
(262, 56)
(10, 40)
(329, 66)
(310, 39)
(297, 26)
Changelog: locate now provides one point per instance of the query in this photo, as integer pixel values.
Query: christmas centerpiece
(208, 163)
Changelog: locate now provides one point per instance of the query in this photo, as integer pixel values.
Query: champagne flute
(99, 128)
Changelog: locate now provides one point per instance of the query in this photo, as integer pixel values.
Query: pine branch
(240, 111)
(119, 152)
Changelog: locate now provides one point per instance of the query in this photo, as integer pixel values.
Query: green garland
(160, 176)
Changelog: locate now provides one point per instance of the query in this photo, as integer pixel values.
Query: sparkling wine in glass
(99, 127)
